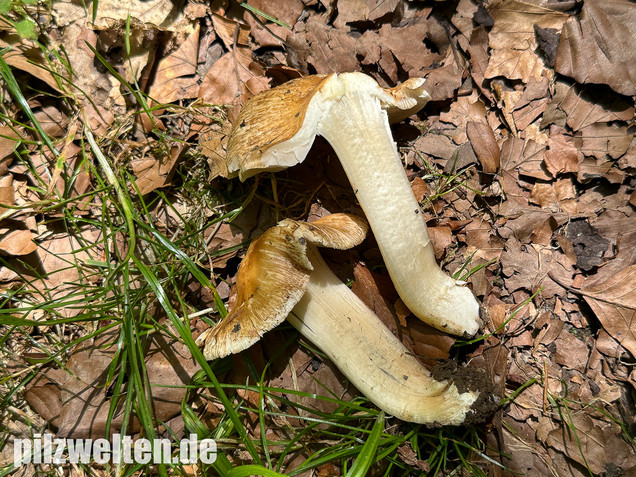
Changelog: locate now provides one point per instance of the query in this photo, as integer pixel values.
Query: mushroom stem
(332, 317)
(357, 127)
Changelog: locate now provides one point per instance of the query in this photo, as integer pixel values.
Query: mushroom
(284, 276)
(276, 129)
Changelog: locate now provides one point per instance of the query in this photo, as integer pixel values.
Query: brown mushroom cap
(269, 118)
(274, 130)
(273, 276)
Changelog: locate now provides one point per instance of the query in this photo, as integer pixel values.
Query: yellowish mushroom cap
(269, 118)
(277, 127)
(273, 276)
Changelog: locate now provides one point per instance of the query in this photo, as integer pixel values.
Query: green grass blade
(365, 459)
(186, 336)
(249, 470)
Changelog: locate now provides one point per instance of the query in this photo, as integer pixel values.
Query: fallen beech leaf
(479, 59)
(8, 143)
(595, 444)
(213, 144)
(27, 58)
(513, 42)
(288, 11)
(592, 168)
(543, 195)
(484, 144)
(153, 173)
(233, 79)
(442, 83)
(223, 240)
(361, 10)
(548, 39)
(586, 105)
(159, 14)
(465, 109)
(54, 267)
(176, 73)
(7, 194)
(562, 156)
(532, 103)
(526, 157)
(330, 50)
(614, 303)
(377, 292)
(599, 140)
(82, 398)
(52, 120)
(598, 47)
(16, 242)
(441, 237)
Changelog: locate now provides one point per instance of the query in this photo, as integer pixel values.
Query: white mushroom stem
(357, 127)
(333, 318)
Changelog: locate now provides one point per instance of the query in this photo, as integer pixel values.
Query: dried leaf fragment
(482, 138)
(614, 304)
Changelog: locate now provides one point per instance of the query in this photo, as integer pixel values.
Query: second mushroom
(284, 277)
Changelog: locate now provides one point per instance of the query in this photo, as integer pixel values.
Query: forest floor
(120, 234)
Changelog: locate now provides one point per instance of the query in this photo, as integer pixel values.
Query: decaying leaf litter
(522, 162)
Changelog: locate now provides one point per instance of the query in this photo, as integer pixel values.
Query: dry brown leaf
(600, 140)
(7, 194)
(377, 292)
(213, 145)
(585, 106)
(465, 109)
(233, 79)
(230, 31)
(441, 237)
(362, 10)
(532, 103)
(428, 343)
(288, 11)
(512, 39)
(598, 47)
(613, 301)
(436, 144)
(479, 59)
(562, 156)
(16, 242)
(175, 77)
(28, 58)
(406, 45)
(309, 374)
(595, 444)
(152, 173)
(557, 195)
(330, 50)
(160, 14)
(54, 267)
(8, 143)
(507, 97)
(442, 83)
(224, 239)
(526, 157)
(482, 138)
(592, 168)
(77, 402)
